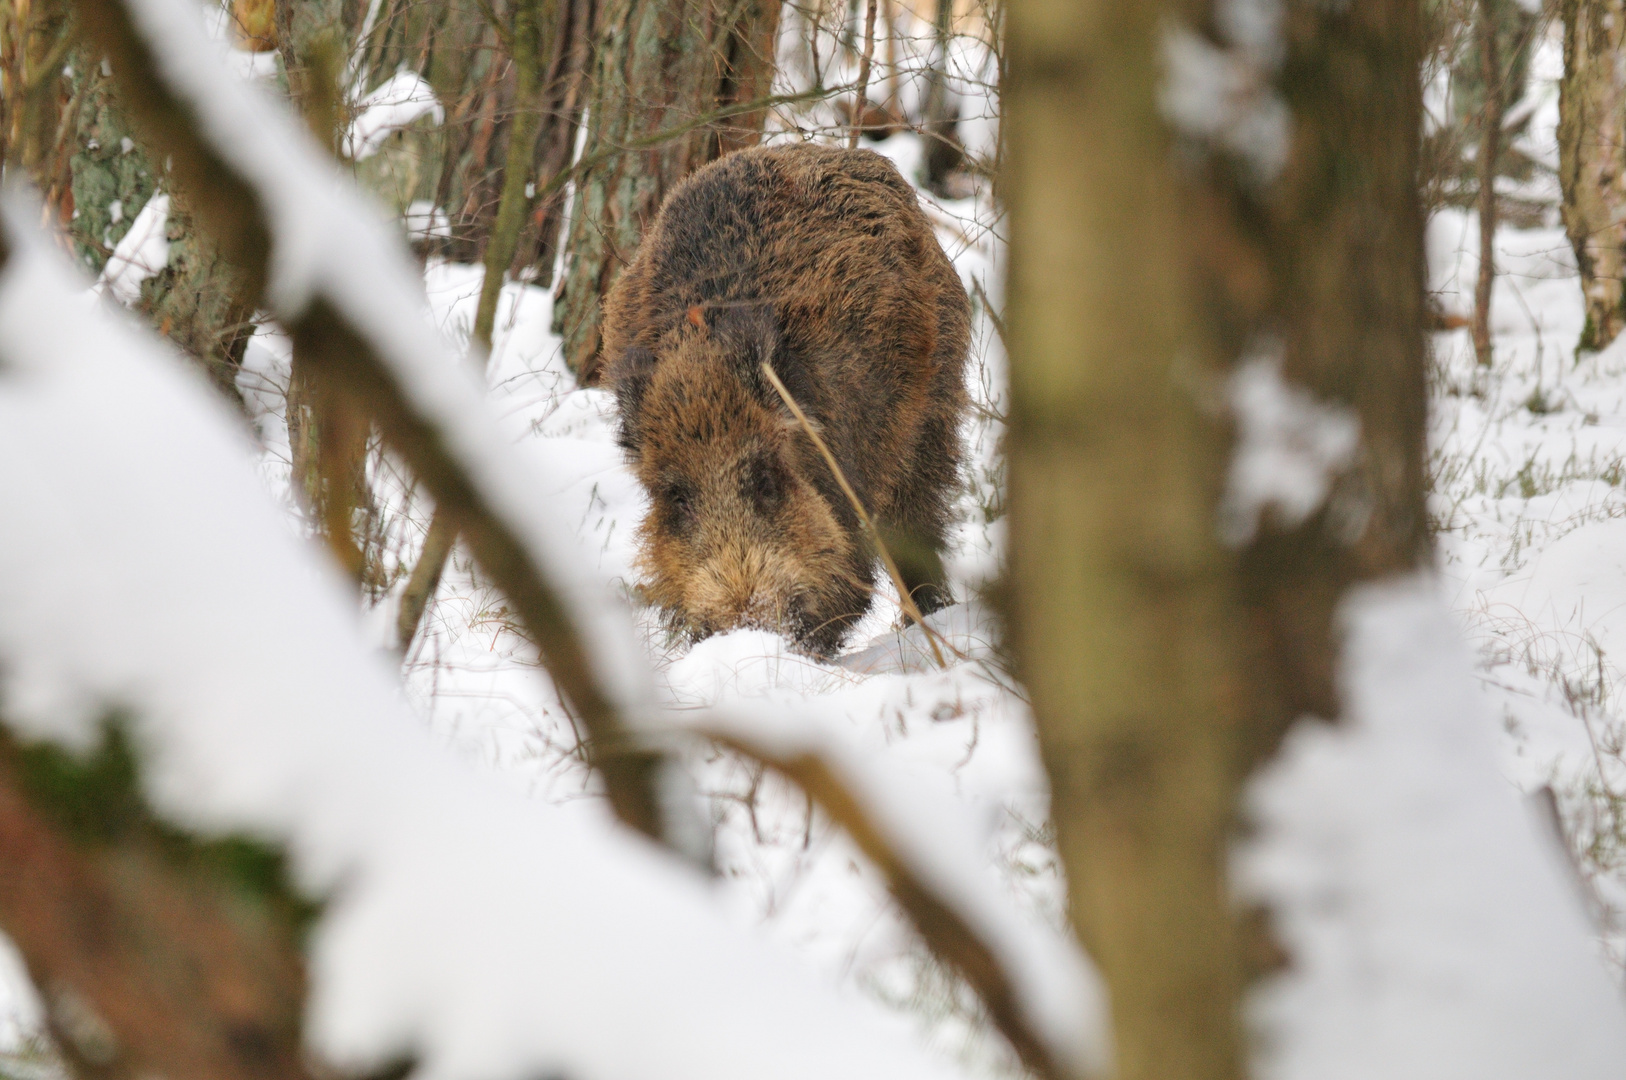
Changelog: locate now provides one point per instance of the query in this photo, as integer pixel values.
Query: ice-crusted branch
(485, 935)
(1039, 989)
(321, 258)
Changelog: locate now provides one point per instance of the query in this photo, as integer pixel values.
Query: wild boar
(820, 262)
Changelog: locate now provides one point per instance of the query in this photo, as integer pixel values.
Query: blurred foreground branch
(334, 317)
(933, 913)
(157, 955)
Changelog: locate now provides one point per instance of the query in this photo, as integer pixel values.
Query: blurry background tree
(1592, 159)
(660, 66)
(1477, 63)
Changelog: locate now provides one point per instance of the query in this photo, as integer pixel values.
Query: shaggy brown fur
(819, 261)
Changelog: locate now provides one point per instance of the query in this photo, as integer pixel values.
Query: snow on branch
(492, 937)
(1290, 450)
(1039, 988)
(1433, 929)
(322, 259)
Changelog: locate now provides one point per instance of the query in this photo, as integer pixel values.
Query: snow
(400, 100)
(1410, 880)
(143, 252)
(491, 935)
(1222, 96)
(1431, 929)
(1289, 450)
(940, 840)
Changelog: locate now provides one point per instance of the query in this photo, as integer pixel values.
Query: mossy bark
(157, 954)
(658, 64)
(1592, 159)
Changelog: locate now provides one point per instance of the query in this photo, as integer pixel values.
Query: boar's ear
(750, 329)
(628, 375)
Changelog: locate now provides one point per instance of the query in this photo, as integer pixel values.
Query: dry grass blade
(905, 599)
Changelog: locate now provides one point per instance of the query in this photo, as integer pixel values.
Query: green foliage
(96, 799)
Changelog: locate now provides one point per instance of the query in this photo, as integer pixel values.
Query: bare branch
(940, 922)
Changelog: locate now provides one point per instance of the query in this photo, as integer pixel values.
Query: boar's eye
(765, 484)
(677, 506)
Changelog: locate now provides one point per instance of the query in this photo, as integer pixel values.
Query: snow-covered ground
(1528, 460)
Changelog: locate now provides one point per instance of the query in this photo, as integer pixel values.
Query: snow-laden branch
(321, 258)
(142, 565)
(1039, 989)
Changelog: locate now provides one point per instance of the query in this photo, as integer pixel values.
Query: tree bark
(564, 97)
(1342, 254)
(1592, 160)
(1145, 264)
(658, 64)
(1123, 617)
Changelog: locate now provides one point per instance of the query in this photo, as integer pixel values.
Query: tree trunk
(534, 26)
(1145, 263)
(1592, 159)
(1343, 252)
(660, 64)
(1123, 616)
(327, 437)
(940, 114)
(563, 100)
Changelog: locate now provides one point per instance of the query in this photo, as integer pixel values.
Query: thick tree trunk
(1123, 615)
(563, 100)
(660, 64)
(1592, 159)
(1164, 666)
(1344, 254)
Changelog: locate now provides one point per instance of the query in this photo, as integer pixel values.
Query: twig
(861, 99)
(500, 246)
(906, 600)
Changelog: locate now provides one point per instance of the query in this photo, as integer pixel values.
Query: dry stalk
(906, 600)
(942, 928)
